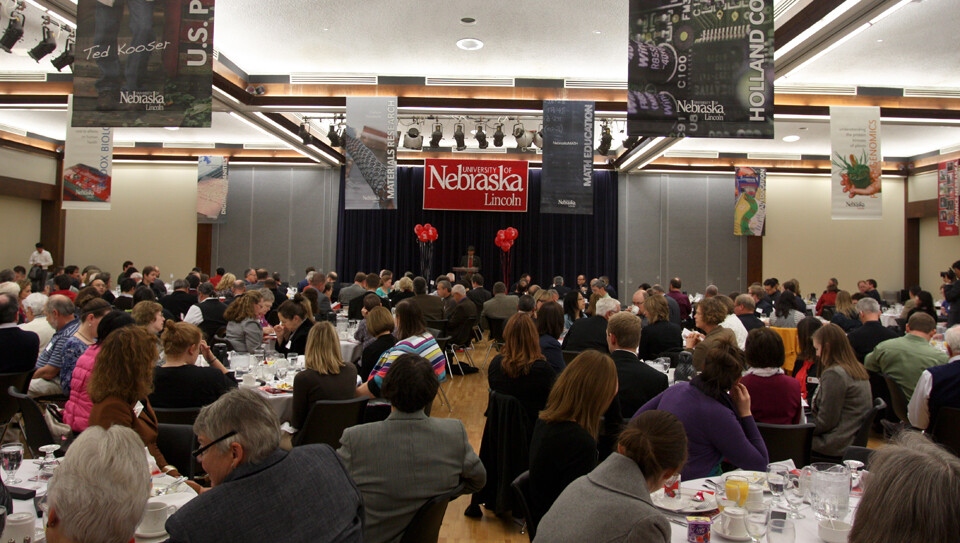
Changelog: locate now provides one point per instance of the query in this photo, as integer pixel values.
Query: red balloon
(417, 229)
(433, 235)
(423, 236)
(505, 247)
(498, 242)
(511, 233)
(427, 226)
(501, 235)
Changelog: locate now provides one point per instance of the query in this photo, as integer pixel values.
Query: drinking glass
(294, 361)
(776, 479)
(756, 520)
(793, 491)
(781, 531)
(737, 487)
(11, 456)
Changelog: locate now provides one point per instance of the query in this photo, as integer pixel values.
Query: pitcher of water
(831, 492)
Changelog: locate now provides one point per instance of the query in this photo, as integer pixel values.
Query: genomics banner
(475, 185)
(87, 167)
(370, 142)
(856, 162)
(750, 212)
(700, 68)
(566, 184)
(212, 177)
(948, 200)
(143, 63)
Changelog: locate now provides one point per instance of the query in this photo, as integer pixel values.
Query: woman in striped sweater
(416, 340)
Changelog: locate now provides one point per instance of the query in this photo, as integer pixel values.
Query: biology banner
(948, 201)
(700, 68)
(370, 142)
(475, 185)
(143, 63)
(856, 162)
(750, 211)
(87, 167)
(566, 180)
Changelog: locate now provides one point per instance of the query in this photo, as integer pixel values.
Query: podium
(463, 272)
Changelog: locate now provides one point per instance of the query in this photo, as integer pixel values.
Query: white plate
(715, 530)
(686, 505)
(150, 535)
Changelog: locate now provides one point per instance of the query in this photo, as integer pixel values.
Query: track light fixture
(413, 139)
(48, 42)
(256, 90)
(630, 141)
(334, 136)
(437, 135)
(14, 31)
(459, 136)
(538, 137)
(481, 137)
(606, 139)
(524, 138)
(304, 133)
(65, 59)
(498, 136)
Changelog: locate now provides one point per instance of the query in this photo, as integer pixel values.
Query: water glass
(781, 531)
(11, 456)
(793, 491)
(756, 520)
(294, 360)
(776, 480)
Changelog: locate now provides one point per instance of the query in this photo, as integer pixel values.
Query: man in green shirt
(905, 358)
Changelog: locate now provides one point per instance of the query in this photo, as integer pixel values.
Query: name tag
(289, 343)
(137, 409)
(813, 381)
(49, 346)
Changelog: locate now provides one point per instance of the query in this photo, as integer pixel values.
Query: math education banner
(856, 160)
(87, 167)
(212, 185)
(475, 185)
(143, 63)
(700, 69)
(948, 200)
(750, 211)
(566, 182)
(370, 142)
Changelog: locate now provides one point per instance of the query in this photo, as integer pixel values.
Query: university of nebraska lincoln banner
(475, 185)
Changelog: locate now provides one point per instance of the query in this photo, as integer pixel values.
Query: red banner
(948, 201)
(475, 185)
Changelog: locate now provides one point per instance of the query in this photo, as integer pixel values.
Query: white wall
(19, 217)
(803, 242)
(152, 221)
(23, 165)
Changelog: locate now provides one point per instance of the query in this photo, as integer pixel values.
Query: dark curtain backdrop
(547, 245)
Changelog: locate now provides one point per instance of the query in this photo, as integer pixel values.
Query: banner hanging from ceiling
(143, 63)
(212, 185)
(475, 185)
(699, 68)
(87, 166)
(856, 160)
(567, 176)
(370, 143)
(948, 198)
(750, 211)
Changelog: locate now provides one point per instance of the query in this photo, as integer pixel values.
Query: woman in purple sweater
(715, 411)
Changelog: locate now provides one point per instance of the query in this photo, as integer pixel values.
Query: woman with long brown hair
(296, 320)
(244, 333)
(564, 443)
(805, 369)
(520, 370)
(843, 396)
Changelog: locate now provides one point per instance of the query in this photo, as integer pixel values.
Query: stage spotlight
(47, 43)
(606, 139)
(630, 141)
(524, 138)
(437, 135)
(538, 138)
(304, 133)
(498, 136)
(333, 136)
(65, 59)
(459, 136)
(13, 33)
(413, 139)
(256, 90)
(481, 137)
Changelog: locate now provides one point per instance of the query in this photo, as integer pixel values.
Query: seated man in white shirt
(733, 322)
(35, 320)
(938, 386)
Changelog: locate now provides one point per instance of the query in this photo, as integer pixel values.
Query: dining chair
(898, 400)
(424, 527)
(495, 337)
(568, 356)
(328, 418)
(521, 490)
(183, 415)
(945, 428)
(860, 454)
(35, 429)
(176, 442)
(863, 434)
(788, 442)
(8, 404)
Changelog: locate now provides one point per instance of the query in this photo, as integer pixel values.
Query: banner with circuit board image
(700, 68)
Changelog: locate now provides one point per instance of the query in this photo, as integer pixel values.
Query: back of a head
(181, 284)
(521, 345)
(379, 320)
(124, 366)
(8, 308)
(771, 282)
(526, 303)
(63, 282)
(10, 287)
(127, 284)
(405, 284)
(419, 285)
(550, 320)
(207, 289)
(656, 441)
(836, 351)
(61, 304)
(323, 349)
(712, 310)
(921, 322)
(868, 306)
(952, 338)
(558, 280)
(410, 385)
(178, 337)
(499, 288)
(722, 367)
(625, 327)
(409, 320)
(193, 281)
(372, 281)
(247, 413)
(371, 300)
(113, 320)
(360, 277)
(727, 302)
(711, 291)
(746, 301)
(476, 280)
(299, 306)
(100, 490)
(459, 289)
(85, 295)
(607, 304)
(143, 293)
(764, 348)
(805, 330)
(583, 391)
(674, 283)
(35, 302)
(145, 312)
(657, 308)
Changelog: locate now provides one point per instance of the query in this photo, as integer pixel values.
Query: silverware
(163, 490)
(677, 522)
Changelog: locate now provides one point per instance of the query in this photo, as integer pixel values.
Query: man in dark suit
(180, 300)
(470, 260)
(558, 286)
(760, 300)
(639, 383)
(124, 302)
(318, 282)
(334, 281)
(591, 332)
(744, 309)
(20, 348)
(207, 313)
(865, 338)
(355, 310)
(444, 293)
(431, 306)
(478, 294)
(500, 306)
(460, 323)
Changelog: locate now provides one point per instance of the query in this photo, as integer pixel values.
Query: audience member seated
(296, 320)
(149, 315)
(711, 312)
(477, 293)
(912, 495)
(564, 443)
(500, 306)
(84, 337)
(732, 322)
(35, 321)
(744, 307)
(573, 306)
(904, 359)
(400, 463)
(244, 333)
(354, 311)
(20, 347)
(266, 303)
(843, 395)
(520, 369)
(414, 340)
(805, 369)
(99, 491)
(63, 284)
(461, 318)
(380, 324)
(527, 305)
(829, 296)
(846, 315)
(661, 335)
(60, 313)
(774, 397)
(351, 291)
(938, 386)
(319, 283)
(179, 382)
(639, 383)
(207, 313)
(715, 411)
(591, 332)
(550, 328)
(179, 301)
(85, 295)
(370, 301)
(224, 286)
(612, 502)
(403, 290)
(865, 338)
(924, 305)
(124, 301)
(310, 495)
(788, 311)
(326, 377)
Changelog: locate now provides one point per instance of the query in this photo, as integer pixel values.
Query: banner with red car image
(856, 160)
(87, 167)
(475, 185)
(948, 201)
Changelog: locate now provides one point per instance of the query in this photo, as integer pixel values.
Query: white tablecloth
(889, 319)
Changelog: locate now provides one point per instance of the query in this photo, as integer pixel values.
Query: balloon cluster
(505, 238)
(425, 232)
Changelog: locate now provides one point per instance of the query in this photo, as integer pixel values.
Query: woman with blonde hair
(380, 325)
(244, 333)
(520, 370)
(846, 315)
(402, 290)
(843, 396)
(179, 382)
(564, 443)
(327, 377)
(225, 284)
(660, 335)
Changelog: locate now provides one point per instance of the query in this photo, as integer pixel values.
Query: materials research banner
(700, 68)
(475, 185)
(948, 199)
(212, 184)
(566, 179)
(87, 167)
(856, 160)
(750, 210)
(370, 142)
(143, 63)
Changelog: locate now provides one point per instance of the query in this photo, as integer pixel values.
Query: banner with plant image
(856, 160)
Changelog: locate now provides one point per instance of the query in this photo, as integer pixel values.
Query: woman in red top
(805, 369)
(775, 397)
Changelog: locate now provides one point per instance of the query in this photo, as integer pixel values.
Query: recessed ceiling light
(469, 44)
(468, 21)
(791, 138)
(879, 41)
(596, 31)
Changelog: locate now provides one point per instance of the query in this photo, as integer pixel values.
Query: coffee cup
(19, 526)
(733, 524)
(155, 517)
(249, 380)
(754, 495)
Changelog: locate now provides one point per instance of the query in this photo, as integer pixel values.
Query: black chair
(788, 442)
(466, 347)
(898, 399)
(521, 489)
(327, 419)
(945, 428)
(439, 325)
(495, 336)
(8, 404)
(828, 311)
(176, 442)
(424, 527)
(376, 410)
(170, 415)
(860, 454)
(35, 429)
(568, 356)
(863, 434)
